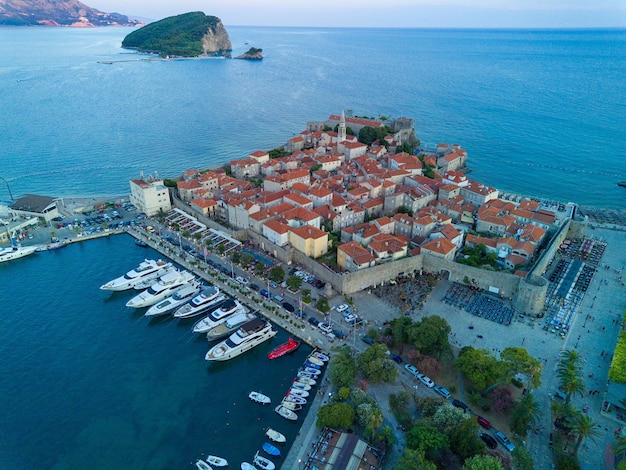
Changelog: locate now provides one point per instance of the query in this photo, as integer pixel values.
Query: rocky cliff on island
(252, 54)
(188, 35)
(57, 13)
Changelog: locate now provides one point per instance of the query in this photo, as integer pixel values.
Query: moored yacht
(146, 269)
(165, 287)
(15, 251)
(245, 338)
(146, 283)
(179, 298)
(229, 326)
(219, 316)
(205, 300)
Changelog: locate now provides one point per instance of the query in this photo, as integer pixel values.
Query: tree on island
(335, 415)
(293, 282)
(277, 274)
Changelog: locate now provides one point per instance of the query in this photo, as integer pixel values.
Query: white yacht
(165, 287)
(146, 269)
(143, 285)
(245, 338)
(181, 297)
(229, 326)
(15, 251)
(201, 303)
(219, 316)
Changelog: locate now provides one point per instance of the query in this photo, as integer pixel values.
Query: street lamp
(299, 462)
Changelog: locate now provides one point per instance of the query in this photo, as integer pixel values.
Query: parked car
(325, 327)
(313, 321)
(351, 318)
(254, 287)
(442, 391)
(395, 357)
(426, 380)
(412, 369)
(273, 285)
(483, 422)
(502, 439)
(342, 307)
(242, 280)
(460, 404)
(367, 340)
(340, 334)
(489, 440)
(278, 298)
(265, 293)
(287, 306)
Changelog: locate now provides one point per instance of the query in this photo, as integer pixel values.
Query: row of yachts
(165, 290)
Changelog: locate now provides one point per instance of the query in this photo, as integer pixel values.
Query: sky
(386, 13)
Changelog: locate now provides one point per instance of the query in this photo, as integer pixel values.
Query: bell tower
(341, 130)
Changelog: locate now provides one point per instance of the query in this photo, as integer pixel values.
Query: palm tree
(584, 428)
(619, 446)
(526, 414)
(376, 419)
(571, 380)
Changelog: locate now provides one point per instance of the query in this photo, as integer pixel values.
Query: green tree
(363, 413)
(306, 296)
(430, 335)
(570, 375)
(619, 446)
(342, 369)
(335, 415)
(483, 462)
(583, 428)
(479, 366)
(294, 282)
(386, 435)
(277, 274)
(246, 259)
(235, 256)
(526, 413)
(518, 361)
(376, 365)
(448, 417)
(400, 329)
(427, 438)
(375, 420)
(464, 441)
(414, 460)
(428, 406)
(322, 305)
(522, 459)
(259, 267)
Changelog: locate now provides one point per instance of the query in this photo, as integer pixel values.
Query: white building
(150, 195)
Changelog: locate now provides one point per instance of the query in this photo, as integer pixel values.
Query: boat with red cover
(291, 345)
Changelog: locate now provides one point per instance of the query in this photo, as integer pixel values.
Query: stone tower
(341, 130)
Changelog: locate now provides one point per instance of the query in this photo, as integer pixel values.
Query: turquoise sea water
(89, 383)
(540, 112)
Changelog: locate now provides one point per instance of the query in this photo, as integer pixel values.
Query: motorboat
(166, 286)
(294, 399)
(302, 375)
(300, 386)
(148, 268)
(314, 360)
(271, 449)
(265, 464)
(180, 297)
(247, 466)
(201, 303)
(311, 365)
(275, 436)
(216, 461)
(285, 413)
(15, 252)
(311, 371)
(146, 283)
(202, 465)
(306, 380)
(291, 405)
(229, 326)
(218, 316)
(298, 392)
(141, 243)
(245, 338)
(319, 355)
(258, 397)
(290, 346)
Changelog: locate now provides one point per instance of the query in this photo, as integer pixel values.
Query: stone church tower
(341, 130)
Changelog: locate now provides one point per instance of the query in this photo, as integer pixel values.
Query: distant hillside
(57, 13)
(187, 35)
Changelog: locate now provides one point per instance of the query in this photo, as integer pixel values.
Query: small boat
(302, 374)
(271, 449)
(56, 245)
(622, 184)
(291, 406)
(294, 399)
(285, 413)
(309, 372)
(310, 365)
(299, 392)
(141, 243)
(202, 465)
(247, 466)
(265, 464)
(300, 386)
(216, 461)
(321, 356)
(315, 360)
(258, 397)
(290, 346)
(275, 436)
(304, 379)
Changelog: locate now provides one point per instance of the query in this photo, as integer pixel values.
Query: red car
(483, 422)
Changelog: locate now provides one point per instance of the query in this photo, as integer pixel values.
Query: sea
(88, 383)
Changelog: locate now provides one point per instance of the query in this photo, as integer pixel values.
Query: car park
(460, 404)
(442, 391)
(412, 369)
(325, 327)
(488, 440)
(425, 380)
(483, 422)
(287, 306)
(502, 439)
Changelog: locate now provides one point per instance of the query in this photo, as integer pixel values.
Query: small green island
(191, 34)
